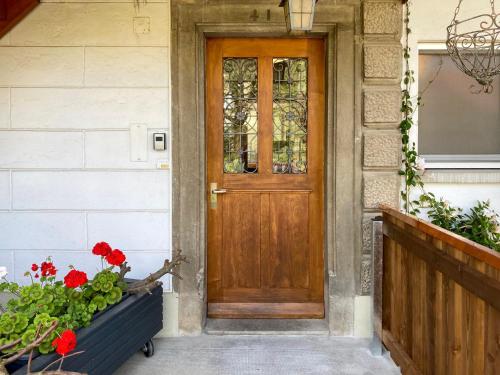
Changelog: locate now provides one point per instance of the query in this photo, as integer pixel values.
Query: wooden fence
(441, 300)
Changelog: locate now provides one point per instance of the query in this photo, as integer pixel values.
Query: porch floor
(249, 355)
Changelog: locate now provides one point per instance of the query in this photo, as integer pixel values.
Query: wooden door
(265, 156)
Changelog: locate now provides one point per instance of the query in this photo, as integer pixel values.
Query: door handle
(219, 191)
(214, 191)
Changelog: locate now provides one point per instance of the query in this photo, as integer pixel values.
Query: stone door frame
(192, 22)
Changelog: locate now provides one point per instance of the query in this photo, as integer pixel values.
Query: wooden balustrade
(12, 12)
(441, 300)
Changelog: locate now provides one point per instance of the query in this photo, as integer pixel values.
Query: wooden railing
(13, 11)
(441, 300)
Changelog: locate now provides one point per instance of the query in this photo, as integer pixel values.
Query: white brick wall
(35, 149)
(86, 108)
(5, 190)
(41, 66)
(4, 107)
(74, 76)
(42, 230)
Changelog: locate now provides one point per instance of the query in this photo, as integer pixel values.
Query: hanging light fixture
(474, 46)
(299, 14)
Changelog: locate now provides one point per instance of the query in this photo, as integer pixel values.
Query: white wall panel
(105, 108)
(4, 108)
(130, 230)
(4, 190)
(103, 190)
(42, 230)
(41, 66)
(27, 149)
(126, 66)
(90, 24)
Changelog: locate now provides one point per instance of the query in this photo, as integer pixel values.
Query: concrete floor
(263, 355)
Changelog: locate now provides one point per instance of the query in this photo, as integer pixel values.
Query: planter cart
(113, 337)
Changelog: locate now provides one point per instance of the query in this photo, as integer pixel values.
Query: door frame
(191, 25)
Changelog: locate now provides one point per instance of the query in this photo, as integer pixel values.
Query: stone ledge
(458, 176)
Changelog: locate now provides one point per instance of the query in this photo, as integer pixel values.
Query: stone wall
(75, 76)
(382, 61)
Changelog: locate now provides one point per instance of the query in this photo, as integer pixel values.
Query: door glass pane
(290, 115)
(240, 115)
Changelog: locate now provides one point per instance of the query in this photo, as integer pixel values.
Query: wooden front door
(265, 156)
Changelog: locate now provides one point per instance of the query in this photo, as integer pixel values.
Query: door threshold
(244, 310)
(294, 327)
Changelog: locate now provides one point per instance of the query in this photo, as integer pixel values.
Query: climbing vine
(482, 223)
(411, 163)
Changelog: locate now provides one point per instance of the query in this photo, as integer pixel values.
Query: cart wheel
(148, 349)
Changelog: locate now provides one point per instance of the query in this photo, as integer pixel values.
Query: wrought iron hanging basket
(474, 46)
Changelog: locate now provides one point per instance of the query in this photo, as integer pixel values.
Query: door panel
(241, 245)
(265, 126)
(288, 241)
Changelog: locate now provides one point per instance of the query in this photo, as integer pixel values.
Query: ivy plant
(410, 166)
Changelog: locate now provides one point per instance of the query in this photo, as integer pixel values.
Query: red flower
(37, 276)
(75, 278)
(48, 269)
(34, 267)
(65, 343)
(101, 248)
(116, 258)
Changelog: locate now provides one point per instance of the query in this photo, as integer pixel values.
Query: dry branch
(28, 348)
(9, 345)
(33, 345)
(124, 269)
(152, 281)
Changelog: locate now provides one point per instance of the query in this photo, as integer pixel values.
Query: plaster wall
(75, 76)
(461, 187)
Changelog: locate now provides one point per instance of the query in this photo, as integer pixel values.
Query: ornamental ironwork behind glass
(290, 115)
(240, 115)
(474, 46)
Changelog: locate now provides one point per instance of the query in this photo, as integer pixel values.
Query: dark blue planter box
(113, 337)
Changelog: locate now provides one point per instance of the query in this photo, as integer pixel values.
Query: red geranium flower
(75, 278)
(101, 248)
(34, 267)
(48, 269)
(37, 276)
(65, 343)
(116, 258)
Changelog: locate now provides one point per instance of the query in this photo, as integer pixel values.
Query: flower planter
(113, 337)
